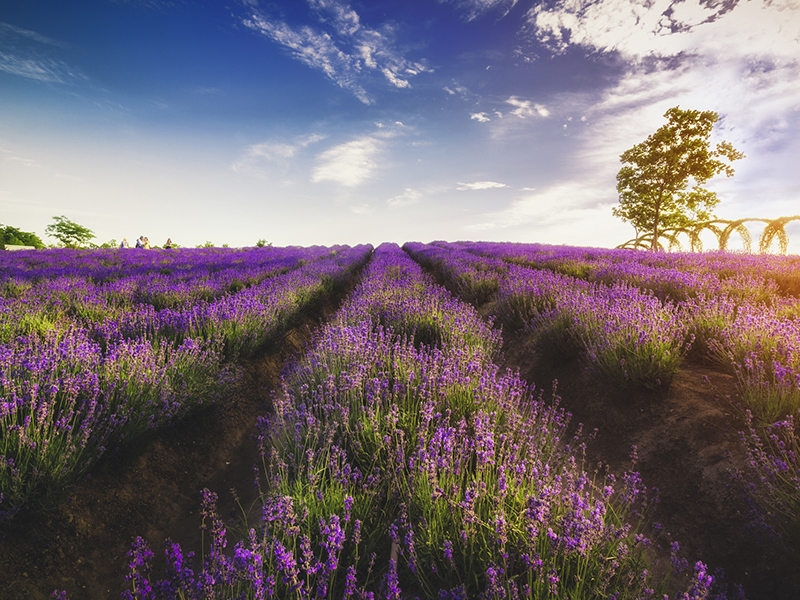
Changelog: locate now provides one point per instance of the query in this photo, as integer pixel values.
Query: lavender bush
(763, 350)
(773, 475)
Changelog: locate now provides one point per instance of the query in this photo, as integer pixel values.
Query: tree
(660, 182)
(14, 237)
(69, 233)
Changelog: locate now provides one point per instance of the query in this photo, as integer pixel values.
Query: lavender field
(404, 434)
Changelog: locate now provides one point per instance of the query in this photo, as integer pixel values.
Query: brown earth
(687, 440)
(686, 437)
(150, 489)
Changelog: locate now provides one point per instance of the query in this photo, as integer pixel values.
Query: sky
(304, 122)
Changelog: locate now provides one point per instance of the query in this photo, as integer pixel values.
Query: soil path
(151, 488)
(687, 441)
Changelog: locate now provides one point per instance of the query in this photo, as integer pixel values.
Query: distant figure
(140, 242)
(168, 244)
(146, 243)
(124, 243)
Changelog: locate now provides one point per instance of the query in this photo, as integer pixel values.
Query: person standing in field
(124, 243)
(140, 242)
(168, 244)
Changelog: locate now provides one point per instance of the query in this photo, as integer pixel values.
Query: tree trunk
(654, 243)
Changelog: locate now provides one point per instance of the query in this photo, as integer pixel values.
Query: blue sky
(332, 121)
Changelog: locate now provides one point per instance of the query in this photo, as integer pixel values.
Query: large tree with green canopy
(660, 182)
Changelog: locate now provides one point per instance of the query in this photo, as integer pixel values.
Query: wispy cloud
(472, 9)
(8, 32)
(151, 4)
(456, 90)
(349, 164)
(521, 108)
(7, 155)
(407, 197)
(525, 109)
(258, 159)
(480, 185)
(556, 213)
(340, 46)
(28, 54)
(355, 162)
(360, 209)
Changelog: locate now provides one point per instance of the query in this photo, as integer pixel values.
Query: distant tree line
(70, 234)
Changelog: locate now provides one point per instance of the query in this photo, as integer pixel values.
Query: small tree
(69, 233)
(14, 237)
(654, 181)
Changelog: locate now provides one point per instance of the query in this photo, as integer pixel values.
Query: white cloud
(28, 54)
(473, 9)
(667, 28)
(9, 32)
(258, 158)
(456, 90)
(525, 108)
(562, 213)
(360, 209)
(344, 19)
(7, 155)
(480, 185)
(394, 79)
(349, 164)
(407, 197)
(480, 117)
(345, 50)
(51, 71)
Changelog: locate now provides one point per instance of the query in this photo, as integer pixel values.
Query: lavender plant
(773, 474)
(763, 350)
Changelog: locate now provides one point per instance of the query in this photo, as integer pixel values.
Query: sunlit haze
(325, 121)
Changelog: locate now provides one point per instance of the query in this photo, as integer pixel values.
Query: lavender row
(758, 342)
(400, 462)
(626, 334)
(675, 276)
(69, 393)
(754, 335)
(60, 287)
(185, 264)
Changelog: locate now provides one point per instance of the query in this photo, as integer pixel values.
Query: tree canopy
(14, 236)
(69, 233)
(660, 182)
